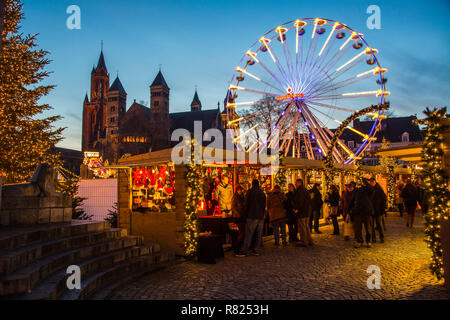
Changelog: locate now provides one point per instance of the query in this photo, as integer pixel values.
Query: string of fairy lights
(193, 178)
(436, 182)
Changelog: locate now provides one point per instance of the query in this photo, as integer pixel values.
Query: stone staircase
(34, 260)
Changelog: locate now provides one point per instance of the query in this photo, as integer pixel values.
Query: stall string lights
(193, 178)
(436, 182)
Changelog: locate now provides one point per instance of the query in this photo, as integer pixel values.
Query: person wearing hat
(379, 201)
(361, 210)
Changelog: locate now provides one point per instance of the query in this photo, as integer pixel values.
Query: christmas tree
(25, 138)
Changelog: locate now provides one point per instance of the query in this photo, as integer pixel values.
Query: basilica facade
(114, 130)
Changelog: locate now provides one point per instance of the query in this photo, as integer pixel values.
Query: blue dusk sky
(199, 43)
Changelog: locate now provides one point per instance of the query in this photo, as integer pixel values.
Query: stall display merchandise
(248, 174)
(154, 188)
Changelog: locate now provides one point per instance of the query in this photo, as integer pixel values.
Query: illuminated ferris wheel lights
(238, 69)
(361, 93)
(253, 55)
(266, 47)
(315, 27)
(299, 23)
(350, 61)
(347, 41)
(328, 39)
(383, 93)
(281, 34)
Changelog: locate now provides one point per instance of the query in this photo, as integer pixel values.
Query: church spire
(196, 105)
(101, 62)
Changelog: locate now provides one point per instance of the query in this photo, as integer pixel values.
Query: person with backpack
(361, 210)
(317, 202)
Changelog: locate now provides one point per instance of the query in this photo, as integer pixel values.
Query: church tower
(116, 105)
(94, 110)
(159, 113)
(196, 105)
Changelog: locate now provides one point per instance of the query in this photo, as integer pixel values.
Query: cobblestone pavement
(332, 269)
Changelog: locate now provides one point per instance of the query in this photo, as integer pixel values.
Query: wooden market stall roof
(411, 153)
(209, 155)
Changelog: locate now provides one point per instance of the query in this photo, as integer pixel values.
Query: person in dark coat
(292, 218)
(409, 195)
(423, 196)
(239, 216)
(255, 208)
(379, 200)
(317, 202)
(333, 199)
(303, 207)
(361, 210)
(276, 205)
(347, 196)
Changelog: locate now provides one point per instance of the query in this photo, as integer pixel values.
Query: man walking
(302, 207)
(361, 210)
(379, 206)
(255, 208)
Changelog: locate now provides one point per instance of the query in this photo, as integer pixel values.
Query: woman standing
(333, 200)
(277, 214)
(292, 218)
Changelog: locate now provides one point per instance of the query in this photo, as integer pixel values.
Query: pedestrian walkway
(332, 269)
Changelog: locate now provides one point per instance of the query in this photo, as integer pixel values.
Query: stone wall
(35, 210)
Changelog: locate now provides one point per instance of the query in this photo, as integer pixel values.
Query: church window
(113, 109)
(156, 103)
(405, 137)
(112, 119)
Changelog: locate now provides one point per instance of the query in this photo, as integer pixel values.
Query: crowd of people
(363, 210)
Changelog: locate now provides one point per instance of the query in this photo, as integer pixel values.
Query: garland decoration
(193, 178)
(328, 161)
(436, 182)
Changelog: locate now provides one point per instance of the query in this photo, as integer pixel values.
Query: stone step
(52, 287)
(12, 238)
(13, 260)
(26, 278)
(116, 273)
(165, 259)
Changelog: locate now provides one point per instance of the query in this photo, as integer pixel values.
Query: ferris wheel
(297, 82)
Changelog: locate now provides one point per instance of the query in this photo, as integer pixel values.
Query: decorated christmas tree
(26, 135)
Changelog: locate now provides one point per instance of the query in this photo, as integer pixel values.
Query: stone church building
(113, 130)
